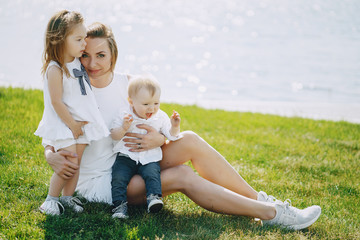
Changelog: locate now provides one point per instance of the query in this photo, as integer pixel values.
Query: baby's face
(144, 105)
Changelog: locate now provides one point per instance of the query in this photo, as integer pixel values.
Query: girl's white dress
(81, 107)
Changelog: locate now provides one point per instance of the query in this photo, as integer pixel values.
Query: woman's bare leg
(206, 194)
(207, 161)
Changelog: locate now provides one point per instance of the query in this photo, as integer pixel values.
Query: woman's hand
(143, 142)
(60, 164)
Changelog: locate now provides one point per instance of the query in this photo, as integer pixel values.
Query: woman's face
(97, 57)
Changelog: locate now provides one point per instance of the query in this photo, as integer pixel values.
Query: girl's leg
(70, 185)
(207, 161)
(206, 194)
(57, 183)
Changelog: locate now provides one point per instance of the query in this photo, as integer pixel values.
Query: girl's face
(97, 57)
(75, 43)
(144, 105)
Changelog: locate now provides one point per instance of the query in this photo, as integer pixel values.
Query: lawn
(307, 161)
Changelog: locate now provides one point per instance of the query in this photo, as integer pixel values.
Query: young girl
(71, 117)
(144, 99)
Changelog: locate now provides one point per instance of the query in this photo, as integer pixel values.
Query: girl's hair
(99, 30)
(58, 28)
(148, 82)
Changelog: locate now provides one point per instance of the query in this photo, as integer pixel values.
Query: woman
(219, 188)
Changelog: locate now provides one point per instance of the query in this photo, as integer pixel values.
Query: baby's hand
(76, 129)
(175, 119)
(128, 119)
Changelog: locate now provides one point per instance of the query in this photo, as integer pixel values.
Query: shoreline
(316, 111)
(348, 112)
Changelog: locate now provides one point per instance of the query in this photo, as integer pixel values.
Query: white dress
(81, 107)
(160, 122)
(95, 170)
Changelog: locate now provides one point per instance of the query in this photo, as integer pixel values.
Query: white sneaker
(120, 211)
(292, 217)
(155, 203)
(74, 203)
(51, 207)
(263, 197)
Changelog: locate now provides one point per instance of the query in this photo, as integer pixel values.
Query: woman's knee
(185, 175)
(190, 135)
(136, 190)
(136, 185)
(136, 182)
(190, 138)
(177, 179)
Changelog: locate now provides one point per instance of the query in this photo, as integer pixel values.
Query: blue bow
(79, 74)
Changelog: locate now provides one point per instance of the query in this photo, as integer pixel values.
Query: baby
(144, 98)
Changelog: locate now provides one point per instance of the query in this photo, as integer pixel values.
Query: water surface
(289, 58)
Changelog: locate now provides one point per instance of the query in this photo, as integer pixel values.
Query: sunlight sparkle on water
(202, 89)
(179, 84)
(193, 79)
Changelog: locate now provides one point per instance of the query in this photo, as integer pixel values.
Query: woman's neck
(102, 81)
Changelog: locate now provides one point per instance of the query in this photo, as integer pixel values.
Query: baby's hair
(99, 30)
(146, 81)
(58, 28)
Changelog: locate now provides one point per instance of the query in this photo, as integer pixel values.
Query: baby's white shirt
(160, 121)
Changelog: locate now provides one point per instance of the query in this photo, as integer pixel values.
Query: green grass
(308, 161)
